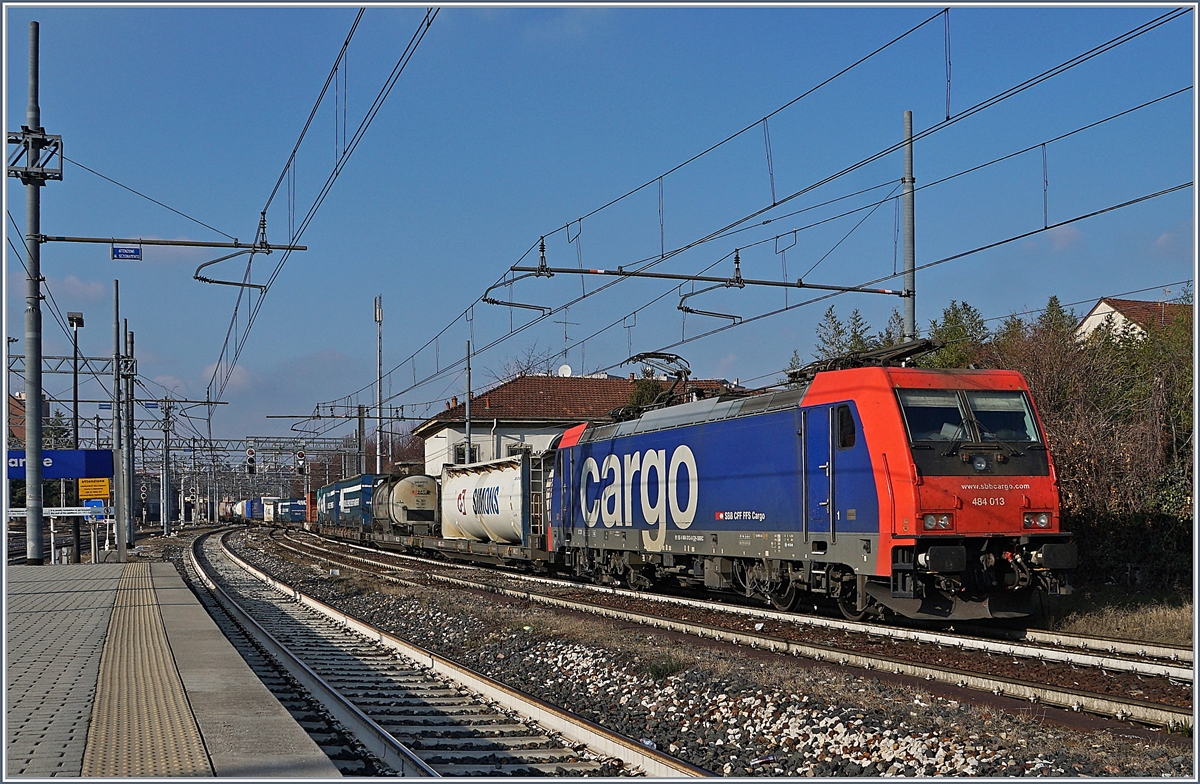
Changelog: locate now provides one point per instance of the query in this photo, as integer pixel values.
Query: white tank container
(484, 502)
(379, 499)
(412, 493)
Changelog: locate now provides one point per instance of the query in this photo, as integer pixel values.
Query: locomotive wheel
(785, 599)
(848, 605)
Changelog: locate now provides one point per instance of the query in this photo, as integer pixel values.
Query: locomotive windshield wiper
(985, 429)
(958, 442)
(982, 428)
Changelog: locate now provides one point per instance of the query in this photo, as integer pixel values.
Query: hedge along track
(420, 713)
(1075, 699)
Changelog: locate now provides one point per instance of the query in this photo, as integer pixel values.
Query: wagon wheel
(638, 581)
(785, 598)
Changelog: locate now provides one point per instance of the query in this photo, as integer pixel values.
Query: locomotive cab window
(845, 428)
(933, 415)
(1003, 416)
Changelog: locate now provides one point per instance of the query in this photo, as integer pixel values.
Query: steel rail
(1071, 699)
(569, 725)
(1064, 653)
(1149, 650)
(374, 737)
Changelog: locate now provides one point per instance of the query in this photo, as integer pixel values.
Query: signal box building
(526, 413)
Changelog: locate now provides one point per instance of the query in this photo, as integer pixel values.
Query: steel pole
(910, 254)
(117, 434)
(130, 477)
(75, 430)
(75, 386)
(362, 439)
(33, 326)
(379, 385)
(164, 489)
(467, 412)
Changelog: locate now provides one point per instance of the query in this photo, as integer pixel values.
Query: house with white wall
(526, 413)
(1132, 314)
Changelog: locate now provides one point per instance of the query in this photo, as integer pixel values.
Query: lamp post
(75, 319)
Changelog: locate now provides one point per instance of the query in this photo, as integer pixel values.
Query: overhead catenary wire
(55, 311)
(869, 206)
(754, 124)
(938, 262)
(1012, 315)
(679, 166)
(970, 111)
(150, 199)
(230, 362)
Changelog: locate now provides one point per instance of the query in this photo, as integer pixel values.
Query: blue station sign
(65, 463)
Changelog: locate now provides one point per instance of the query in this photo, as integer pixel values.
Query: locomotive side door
(818, 472)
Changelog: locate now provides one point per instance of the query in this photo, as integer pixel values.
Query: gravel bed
(1061, 674)
(719, 708)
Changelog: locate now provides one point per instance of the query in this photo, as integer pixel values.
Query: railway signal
(250, 460)
(300, 462)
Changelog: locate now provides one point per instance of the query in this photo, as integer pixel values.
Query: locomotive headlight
(940, 522)
(980, 463)
(1038, 520)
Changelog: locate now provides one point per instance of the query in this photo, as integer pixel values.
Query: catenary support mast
(33, 317)
(910, 254)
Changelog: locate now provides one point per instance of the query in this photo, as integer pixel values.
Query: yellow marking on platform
(142, 724)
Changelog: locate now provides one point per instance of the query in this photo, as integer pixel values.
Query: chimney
(447, 405)
(631, 377)
(487, 402)
(454, 402)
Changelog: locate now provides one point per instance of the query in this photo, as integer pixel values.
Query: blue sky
(509, 124)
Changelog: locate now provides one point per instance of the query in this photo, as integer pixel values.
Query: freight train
(927, 494)
(268, 509)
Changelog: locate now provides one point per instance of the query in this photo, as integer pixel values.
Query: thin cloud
(1065, 237)
(568, 25)
(72, 288)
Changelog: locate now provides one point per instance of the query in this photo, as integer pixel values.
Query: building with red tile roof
(526, 413)
(1133, 314)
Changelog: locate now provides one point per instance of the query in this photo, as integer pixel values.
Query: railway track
(1150, 685)
(419, 713)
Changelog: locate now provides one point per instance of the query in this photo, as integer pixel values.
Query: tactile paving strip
(142, 724)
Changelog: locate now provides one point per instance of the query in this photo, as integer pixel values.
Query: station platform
(117, 670)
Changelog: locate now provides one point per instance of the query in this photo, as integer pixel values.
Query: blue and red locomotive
(924, 493)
